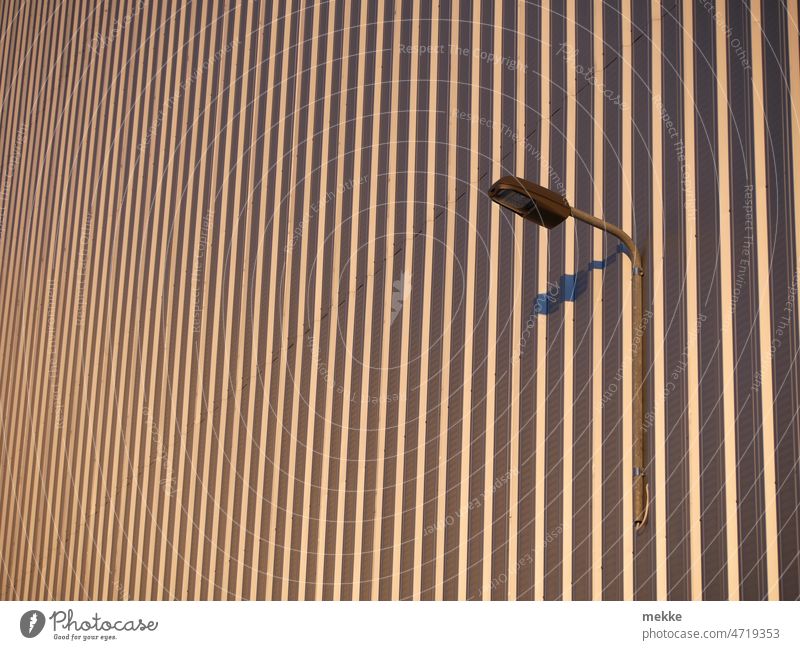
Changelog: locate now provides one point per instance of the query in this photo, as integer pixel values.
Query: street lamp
(546, 208)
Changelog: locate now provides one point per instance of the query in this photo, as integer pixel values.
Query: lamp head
(531, 201)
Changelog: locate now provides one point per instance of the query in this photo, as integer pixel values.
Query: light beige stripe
(793, 28)
(12, 249)
(341, 458)
(242, 221)
(289, 290)
(10, 512)
(285, 304)
(128, 401)
(204, 168)
(148, 427)
(65, 489)
(333, 329)
(764, 305)
(351, 305)
(491, 306)
(627, 323)
(80, 527)
(726, 305)
(116, 396)
(427, 300)
(182, 548)
(258, 520)
(20, 541)
(217, 395)
(541, 319)
(101, 372)
(300, 292)
(452, 151)
(692, 371)
(404, 287)
(77, 525)
(597, 309)
(320, 310)
(656, 267)
(469, 315)
(169, 415)
(32, 479)
(385, 330)
(517, 316)
(132, 334)
(249, 380)
(569, 312)
(27, 485)
(54, 514)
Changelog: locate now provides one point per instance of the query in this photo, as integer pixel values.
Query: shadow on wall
(571, 287)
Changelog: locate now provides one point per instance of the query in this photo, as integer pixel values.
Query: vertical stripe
(569, 313)
(356, 274)
(262, 534)
(299, 293)
(764, 311)
(326, 480)
(316, 334)
(515, 406)
(656, 267)
(444, 441)
(726, 293)
(491, 361)
(541, 338)
(626, 222)
(597, 313)
(379, 519)
(401, 291)
(423, 429)
(690, 216)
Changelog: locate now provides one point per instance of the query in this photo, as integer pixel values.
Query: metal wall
(264, 335)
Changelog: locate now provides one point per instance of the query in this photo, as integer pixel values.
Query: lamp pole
(548, 209)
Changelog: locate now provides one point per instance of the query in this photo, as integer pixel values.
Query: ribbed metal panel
(266, 337)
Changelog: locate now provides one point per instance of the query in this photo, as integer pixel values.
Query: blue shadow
(571, 287)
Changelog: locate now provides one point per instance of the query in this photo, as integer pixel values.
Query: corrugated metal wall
(264, 335)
